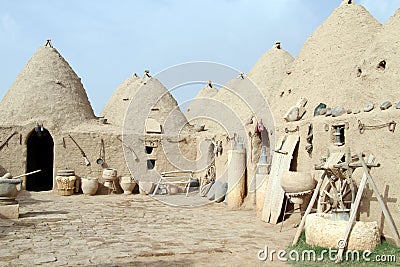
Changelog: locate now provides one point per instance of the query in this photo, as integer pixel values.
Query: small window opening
(149, 149)
(359, 72)
(338, 135)
(151, 163)
(381, 65)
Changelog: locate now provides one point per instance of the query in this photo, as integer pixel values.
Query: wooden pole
(343, 242)
(308, 210)
(25, 174)
(385, 211)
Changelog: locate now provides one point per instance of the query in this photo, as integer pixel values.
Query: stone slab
(9, 211)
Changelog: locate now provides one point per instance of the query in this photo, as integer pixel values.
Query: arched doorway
(40, 156)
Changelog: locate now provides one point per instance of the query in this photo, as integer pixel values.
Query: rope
(292, 131)
(8, 139)
(362, 127)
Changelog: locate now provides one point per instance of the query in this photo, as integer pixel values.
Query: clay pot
(109, 173)
(295, 182)
(89, 185)
(146, 188)
(127, 184)
(109, 176)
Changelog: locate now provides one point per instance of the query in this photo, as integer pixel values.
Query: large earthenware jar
(296, 182)
(9, 189)
(127, 184)
(65, 182)
(90, 185)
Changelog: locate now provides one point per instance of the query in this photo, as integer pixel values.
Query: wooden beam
(343, 242)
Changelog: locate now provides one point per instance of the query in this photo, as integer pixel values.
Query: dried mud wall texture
(379, 74)
(69, 156)
(13, 154)
(270, 70)
(115, 108)
(325, 70)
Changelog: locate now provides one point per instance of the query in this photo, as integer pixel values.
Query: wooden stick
(385, 210)
(308, 210)
(25, 174)
(343, 242)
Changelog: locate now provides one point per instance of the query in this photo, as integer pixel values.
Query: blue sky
(107, 41)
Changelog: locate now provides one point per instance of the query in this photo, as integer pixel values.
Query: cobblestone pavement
(133, 230)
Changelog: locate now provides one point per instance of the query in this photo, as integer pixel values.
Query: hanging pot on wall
(102, 153)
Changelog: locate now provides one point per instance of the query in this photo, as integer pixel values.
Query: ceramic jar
(127, 184)
(89, 185)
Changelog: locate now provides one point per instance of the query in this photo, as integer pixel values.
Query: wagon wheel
(210, 174)
(336, 194)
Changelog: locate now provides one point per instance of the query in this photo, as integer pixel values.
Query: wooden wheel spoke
(346, 193)
(345, 187)
(340, 185)
(328, 209)
(328, 194)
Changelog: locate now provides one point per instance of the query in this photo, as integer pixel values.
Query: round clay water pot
(294, 182)
(9, 188)
(109, 173)
(127, 184)
(89, 185)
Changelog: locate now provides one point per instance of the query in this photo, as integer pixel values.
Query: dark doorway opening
(40, 156)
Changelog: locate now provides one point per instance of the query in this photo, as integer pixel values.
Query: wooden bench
(183, 177)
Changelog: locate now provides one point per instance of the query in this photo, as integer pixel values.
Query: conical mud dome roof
(153, 102)
(379, 73)
(207, 91)
(270, 69)
(325, 69)
(46, 89)
(115, 108)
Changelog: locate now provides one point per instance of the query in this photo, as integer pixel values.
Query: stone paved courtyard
(133, 230)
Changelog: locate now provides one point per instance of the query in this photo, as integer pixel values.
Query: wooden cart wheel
(336, 194)
(211, 172)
